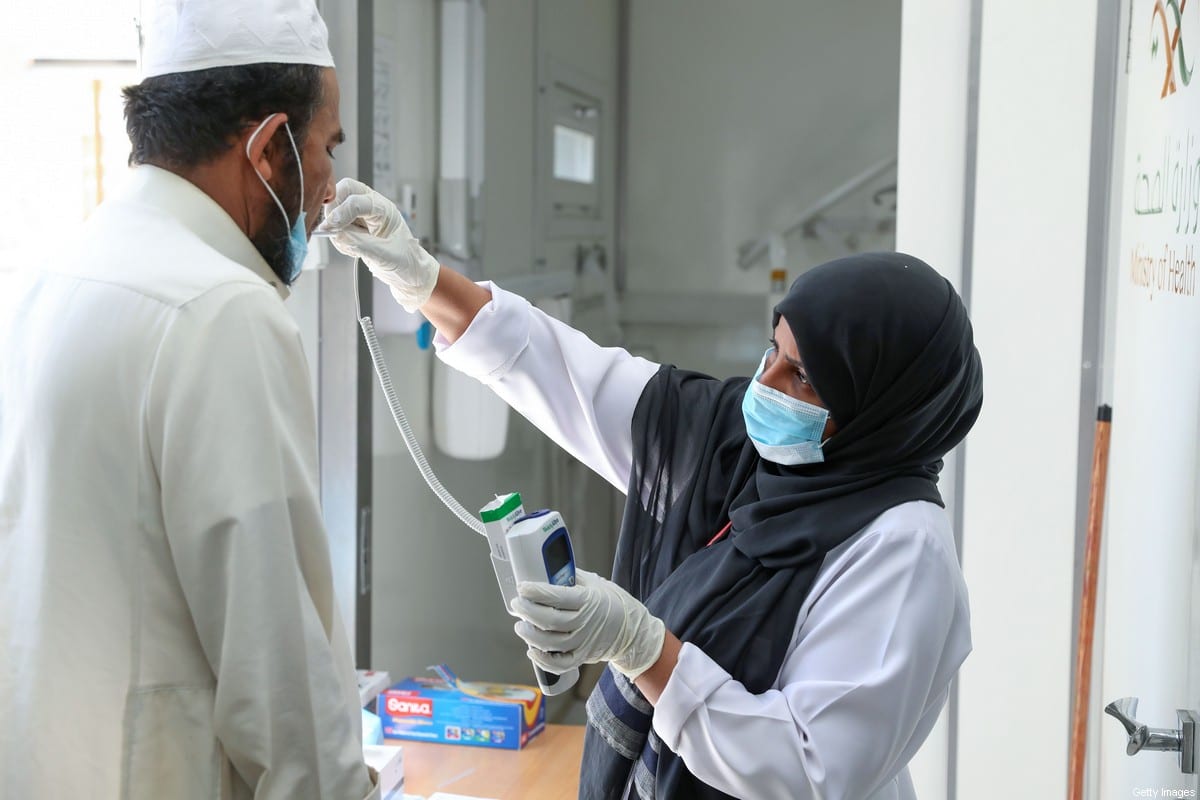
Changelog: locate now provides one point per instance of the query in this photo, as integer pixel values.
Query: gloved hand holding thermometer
(364, 224)
(594, 620)
(539, 551)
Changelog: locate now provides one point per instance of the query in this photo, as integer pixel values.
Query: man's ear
(256, 143)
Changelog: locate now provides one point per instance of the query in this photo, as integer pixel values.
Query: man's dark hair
(186, 119)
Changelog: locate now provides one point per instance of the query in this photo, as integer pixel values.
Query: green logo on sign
(1175, 37)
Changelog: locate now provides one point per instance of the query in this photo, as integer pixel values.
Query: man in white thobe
(167, 616)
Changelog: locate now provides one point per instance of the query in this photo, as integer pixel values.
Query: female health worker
(787, 610)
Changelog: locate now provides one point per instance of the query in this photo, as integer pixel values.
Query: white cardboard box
(388, 761)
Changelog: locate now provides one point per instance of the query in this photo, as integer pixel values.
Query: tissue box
(370, 683)
(372, 728)
(446, 709)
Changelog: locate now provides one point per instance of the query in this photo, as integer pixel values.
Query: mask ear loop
(299, 166)
(270, 191)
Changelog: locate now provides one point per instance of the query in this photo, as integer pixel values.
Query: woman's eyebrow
(795, 362)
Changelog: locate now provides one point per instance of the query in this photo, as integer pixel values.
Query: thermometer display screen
(557, 553)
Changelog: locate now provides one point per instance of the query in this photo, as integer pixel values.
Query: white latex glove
(594, 620)
(370, 227)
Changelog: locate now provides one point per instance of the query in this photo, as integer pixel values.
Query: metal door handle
(1141, 737)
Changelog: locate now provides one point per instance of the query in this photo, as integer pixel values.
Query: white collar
(199, 213)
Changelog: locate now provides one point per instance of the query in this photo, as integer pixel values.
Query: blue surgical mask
(784, 430)
(298, 235)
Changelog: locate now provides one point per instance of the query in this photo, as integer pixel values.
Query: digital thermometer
(539, 549)
(530, 547)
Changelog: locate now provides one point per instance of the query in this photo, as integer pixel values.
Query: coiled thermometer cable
(401, 419)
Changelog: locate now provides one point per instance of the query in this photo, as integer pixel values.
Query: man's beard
(273, 238)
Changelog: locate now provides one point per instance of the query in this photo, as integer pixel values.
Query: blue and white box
(452, 711)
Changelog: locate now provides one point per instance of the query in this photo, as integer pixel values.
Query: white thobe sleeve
(578, 393)
(857, 696)
(233, 437)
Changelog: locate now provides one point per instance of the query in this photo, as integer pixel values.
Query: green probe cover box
(446, 709)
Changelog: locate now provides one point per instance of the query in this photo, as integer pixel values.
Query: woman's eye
(802, 377)
(330, 151)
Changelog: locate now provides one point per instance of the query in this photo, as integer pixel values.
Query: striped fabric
(619, 713)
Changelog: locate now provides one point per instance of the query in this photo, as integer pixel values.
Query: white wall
(740, 117)
(932, 149)
(1151, 625)
(1021, 459)
(408, 26)
(511, 69)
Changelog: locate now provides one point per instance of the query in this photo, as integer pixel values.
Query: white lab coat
(877, 641)
(167, 615)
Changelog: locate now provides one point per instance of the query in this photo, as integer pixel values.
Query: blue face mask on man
(784, 430)
(298, 236)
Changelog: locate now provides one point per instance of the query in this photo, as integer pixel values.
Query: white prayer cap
(188, 35)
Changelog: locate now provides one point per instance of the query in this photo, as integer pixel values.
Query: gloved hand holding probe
(594, 620)
(367, 225)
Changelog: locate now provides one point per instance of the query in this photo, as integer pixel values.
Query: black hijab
(888, 348)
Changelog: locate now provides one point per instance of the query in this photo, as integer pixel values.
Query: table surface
(546, 769)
